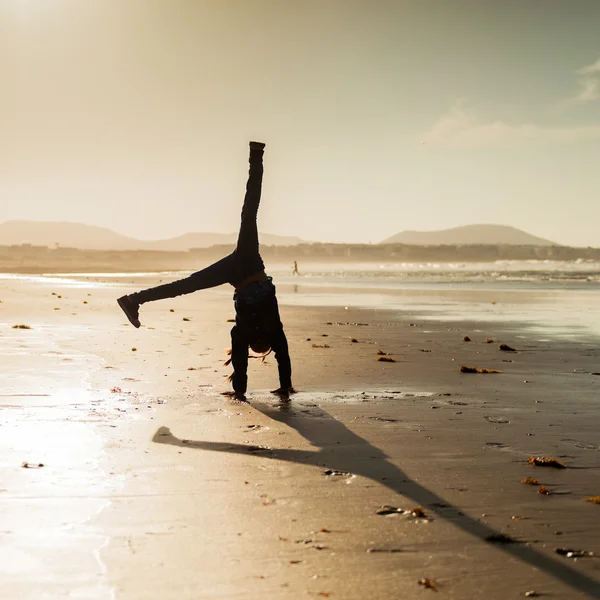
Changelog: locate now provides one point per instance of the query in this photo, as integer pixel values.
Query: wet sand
(153, 485)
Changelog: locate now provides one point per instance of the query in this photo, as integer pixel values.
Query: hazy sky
(378, 115)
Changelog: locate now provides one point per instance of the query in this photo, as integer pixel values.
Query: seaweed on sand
(465, 369)
(430, 584)
(592, 499)
(545, 461)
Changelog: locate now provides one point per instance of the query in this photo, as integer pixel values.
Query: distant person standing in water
(257, 322)
(295, 271)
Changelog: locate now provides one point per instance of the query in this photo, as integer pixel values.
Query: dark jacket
(257, 321)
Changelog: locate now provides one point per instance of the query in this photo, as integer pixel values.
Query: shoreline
(178, 519)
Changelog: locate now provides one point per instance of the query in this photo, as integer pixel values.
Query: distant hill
(468, 235)
(204, 240)
(90, 237)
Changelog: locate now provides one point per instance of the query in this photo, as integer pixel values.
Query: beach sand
(153, 485)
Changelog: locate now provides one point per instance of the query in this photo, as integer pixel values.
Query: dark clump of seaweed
(545, 461)
(386, 359)
(21, 326)
(418, 513)
(507, 348)
(592, 499)
(386, 509)
(530, 481)
(466, 338)
(465, 369)
(430, 584)
(572, 553)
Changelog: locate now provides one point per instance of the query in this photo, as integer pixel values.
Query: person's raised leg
(247, 243)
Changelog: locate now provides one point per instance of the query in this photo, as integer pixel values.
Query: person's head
(260, 347)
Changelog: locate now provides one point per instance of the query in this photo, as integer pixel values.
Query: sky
(379, 116)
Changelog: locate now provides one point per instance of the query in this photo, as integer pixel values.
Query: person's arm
(279, 346)
(239, 361)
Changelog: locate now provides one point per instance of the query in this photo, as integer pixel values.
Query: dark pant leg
(246, 252)
(217, 274)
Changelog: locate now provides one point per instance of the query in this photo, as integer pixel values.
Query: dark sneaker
(131, 310)
(257, 146)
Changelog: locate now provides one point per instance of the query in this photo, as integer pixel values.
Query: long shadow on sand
(329, 435)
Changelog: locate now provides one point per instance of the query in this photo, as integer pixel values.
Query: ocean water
(549, 298)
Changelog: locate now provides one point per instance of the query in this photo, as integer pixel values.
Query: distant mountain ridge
(91, 237)
(469, 235)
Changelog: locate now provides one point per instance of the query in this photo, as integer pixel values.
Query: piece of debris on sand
(28, 465)
(544, 491)
(545, 461)
(466, 338)
(386, 509)
(530, 481)
(354, 340)
(386, 359)
(430, 584)
(507, 348)
(21, 326)
(418, 513)
(592, 499)
(320, 346)
(571, 553)
(489, 341)
(382, 353)
(465, 369)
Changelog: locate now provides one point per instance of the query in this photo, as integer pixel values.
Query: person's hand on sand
(284, 392)
(234, 395)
